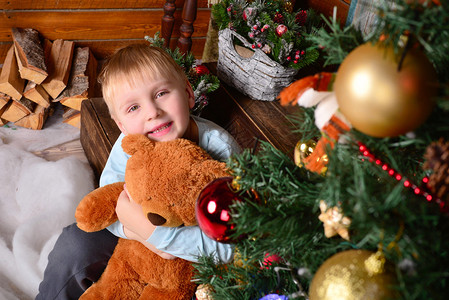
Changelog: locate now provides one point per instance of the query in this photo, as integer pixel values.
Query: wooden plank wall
(106, 25)
(101, 25)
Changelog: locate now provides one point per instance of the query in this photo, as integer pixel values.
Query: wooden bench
(247, 120)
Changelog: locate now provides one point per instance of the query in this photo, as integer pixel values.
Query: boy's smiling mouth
(161, 129)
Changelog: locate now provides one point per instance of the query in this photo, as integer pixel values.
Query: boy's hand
(131, 216)
(135, 225)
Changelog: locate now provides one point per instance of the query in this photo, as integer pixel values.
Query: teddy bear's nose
(156, 220)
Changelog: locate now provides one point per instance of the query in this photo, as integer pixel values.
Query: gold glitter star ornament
(333, 221)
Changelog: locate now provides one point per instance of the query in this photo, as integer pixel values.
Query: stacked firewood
(38, 73)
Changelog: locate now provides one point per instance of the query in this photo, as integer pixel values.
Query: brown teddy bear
(165, 178)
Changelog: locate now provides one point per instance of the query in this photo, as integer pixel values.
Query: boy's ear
(190, 94)
(120, 126)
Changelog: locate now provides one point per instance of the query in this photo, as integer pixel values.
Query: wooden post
(188, 17)
(168, 21)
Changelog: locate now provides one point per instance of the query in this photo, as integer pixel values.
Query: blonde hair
(134, 64)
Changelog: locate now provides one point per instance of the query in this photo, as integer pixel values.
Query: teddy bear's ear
(134, 142)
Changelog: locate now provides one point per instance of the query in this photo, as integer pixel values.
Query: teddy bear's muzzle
(155, 219)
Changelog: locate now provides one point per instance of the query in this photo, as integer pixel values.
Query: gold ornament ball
(379, 100)
(303, 149)
(349, 275)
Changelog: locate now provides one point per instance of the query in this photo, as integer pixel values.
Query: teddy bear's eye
(172, 204)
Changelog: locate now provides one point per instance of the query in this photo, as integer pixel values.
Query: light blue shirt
(185, 242)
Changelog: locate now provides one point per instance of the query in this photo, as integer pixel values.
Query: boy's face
(158, 108)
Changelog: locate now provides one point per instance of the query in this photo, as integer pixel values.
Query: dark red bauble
(281, 30)
(212, 209)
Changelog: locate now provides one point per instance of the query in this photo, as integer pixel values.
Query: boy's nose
(152, 111)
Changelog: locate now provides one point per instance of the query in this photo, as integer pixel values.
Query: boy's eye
(160, 94)
(133, 108)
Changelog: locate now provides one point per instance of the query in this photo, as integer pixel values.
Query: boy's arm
(185, 242)
(114, 171)
(162, 254)
(189, 243)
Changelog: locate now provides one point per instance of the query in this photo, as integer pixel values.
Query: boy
(146, 93)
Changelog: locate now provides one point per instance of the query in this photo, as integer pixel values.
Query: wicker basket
(258, 77)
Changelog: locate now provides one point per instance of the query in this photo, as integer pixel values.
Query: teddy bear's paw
(96, 210)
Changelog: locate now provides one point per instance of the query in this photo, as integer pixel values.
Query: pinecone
(278, 18)
(301, 18)
(437, 160)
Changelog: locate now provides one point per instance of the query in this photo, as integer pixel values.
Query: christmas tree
(362, 210)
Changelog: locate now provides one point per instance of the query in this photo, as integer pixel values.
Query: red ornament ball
(201, 70)
(281, 30)
(212, 209)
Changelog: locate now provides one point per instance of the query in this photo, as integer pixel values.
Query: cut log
(30, 54)
(35, 120)
(16, 110)
(59, 66)
(2, 110)
(4, 99)
(47, 51)
(72, 117)
(37, 94)
(82, 79)
(10, 81)
(79, 92)
(84, 63)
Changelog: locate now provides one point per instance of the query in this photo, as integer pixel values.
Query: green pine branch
(279, 214)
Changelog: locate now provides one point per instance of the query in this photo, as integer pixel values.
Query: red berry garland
(406, 182)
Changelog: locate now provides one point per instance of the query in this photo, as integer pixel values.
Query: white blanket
(37, 199)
